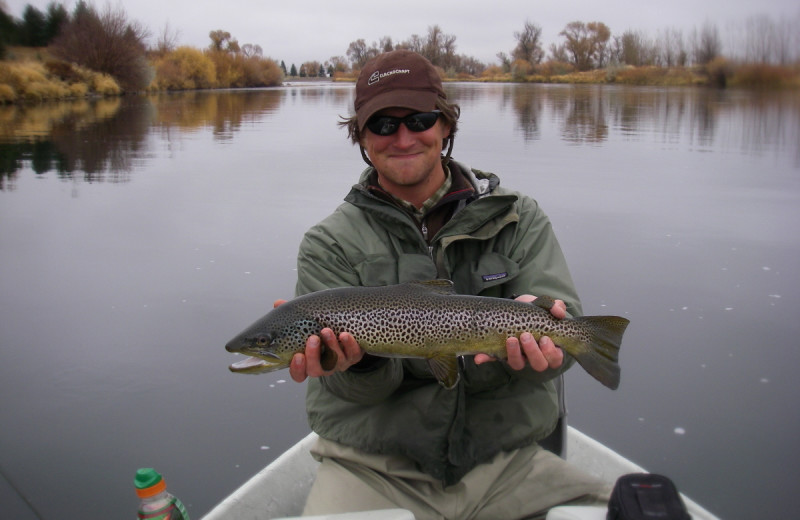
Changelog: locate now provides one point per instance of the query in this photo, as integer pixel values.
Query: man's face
(406, 160)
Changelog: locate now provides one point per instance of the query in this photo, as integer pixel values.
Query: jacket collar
(482, 205)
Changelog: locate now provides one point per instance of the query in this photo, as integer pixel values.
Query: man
(390, 435)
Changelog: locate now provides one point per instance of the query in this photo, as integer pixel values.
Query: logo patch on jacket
(494, 277)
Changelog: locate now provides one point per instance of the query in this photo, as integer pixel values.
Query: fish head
(262, 357)
(271, 342)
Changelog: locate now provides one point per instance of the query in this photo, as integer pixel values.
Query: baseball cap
(398, 78)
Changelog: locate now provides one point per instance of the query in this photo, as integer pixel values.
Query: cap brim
(419, 100)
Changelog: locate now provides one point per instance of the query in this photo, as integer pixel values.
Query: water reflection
(73, 137)
(589, 113)
(223, 112)
(103, 140)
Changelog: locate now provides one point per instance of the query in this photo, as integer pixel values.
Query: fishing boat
(279, 490)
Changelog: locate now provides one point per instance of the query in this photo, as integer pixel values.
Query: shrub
(718, 71)
(520, 70)
(492, 71)
(7, 94)
(17, 75)
(228, 74)
(104, 85)
(185, 68)
(260, 72)
(63, 70)
(761, 75)
(640, 75)
(554, 68)
(78, 90)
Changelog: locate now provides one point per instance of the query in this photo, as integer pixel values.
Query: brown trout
(425, 320)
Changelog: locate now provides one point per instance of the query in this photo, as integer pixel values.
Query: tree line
(591, 45)
(108, 42)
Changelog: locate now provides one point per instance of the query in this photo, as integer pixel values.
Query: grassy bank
(716, 74)
(32, 74)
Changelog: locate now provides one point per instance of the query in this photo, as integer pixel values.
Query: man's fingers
(297, 369)
(552, 354)
(532, 352)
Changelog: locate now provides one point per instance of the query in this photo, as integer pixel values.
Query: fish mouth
(257, 365)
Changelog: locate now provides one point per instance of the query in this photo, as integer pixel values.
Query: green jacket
(498, 243)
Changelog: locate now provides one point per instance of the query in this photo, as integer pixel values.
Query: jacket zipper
(424, 229)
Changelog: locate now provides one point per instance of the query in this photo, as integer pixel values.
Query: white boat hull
(280, 489)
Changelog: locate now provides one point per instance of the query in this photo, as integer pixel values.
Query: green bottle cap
(146, 477)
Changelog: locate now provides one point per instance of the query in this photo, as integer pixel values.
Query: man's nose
(404, 137)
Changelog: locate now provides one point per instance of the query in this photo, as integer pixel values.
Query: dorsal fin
(441, 286)
(545, 302)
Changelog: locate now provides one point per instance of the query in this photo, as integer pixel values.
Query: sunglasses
(388, 125)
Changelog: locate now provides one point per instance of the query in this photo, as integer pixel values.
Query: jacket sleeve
(322, 264)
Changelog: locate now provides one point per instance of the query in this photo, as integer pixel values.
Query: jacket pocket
(380, 270)
(486, 271)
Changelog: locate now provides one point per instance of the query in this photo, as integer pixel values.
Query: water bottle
(156, 503)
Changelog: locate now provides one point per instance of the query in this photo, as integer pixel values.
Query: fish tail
(598, 355)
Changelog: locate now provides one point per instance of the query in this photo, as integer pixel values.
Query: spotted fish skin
(425, 320)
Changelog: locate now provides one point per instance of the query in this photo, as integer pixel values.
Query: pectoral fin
(445, 368)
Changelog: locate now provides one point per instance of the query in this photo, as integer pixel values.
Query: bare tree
(311, 68)
(529, 44)
(762, 40)
(386, 44)
(706, 44)
(107, 43)
(220, 40)
(759, 37)
(167, 40)
(439, 47)
(559, 53)
(586, 43)
(505, 61)
(414, 43)
(338, 63)
(787, 36)
(633, 48)
(249, 50)
(470, 65)
(670, 49)
(359, 53)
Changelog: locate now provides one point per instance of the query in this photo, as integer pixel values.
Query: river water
(138, 235)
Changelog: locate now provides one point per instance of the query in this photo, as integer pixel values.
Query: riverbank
(718, 73)
(31, 75)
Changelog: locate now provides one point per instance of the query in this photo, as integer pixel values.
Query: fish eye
(262, 340)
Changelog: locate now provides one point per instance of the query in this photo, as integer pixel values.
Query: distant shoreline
(34, 77)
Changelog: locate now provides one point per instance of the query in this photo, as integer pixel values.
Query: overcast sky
(305, 30)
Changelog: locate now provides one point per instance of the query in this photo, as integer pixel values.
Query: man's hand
(308, 364)
(542, 355)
